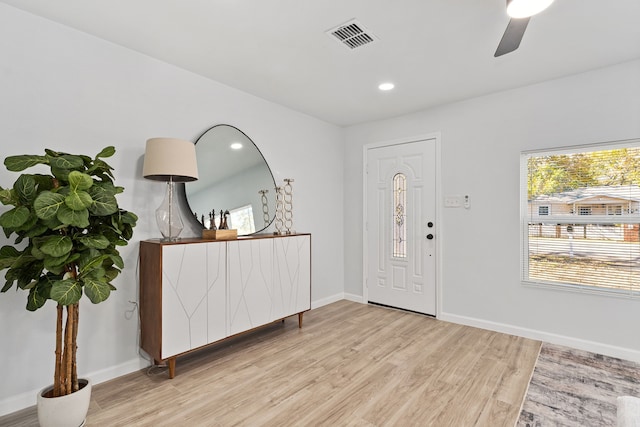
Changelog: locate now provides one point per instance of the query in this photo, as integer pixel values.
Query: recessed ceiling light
(526, 8)
(236, 146)
(386, 86)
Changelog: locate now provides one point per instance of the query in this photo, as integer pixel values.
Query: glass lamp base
(168, 216)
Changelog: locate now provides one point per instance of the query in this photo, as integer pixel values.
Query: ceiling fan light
(526, 8)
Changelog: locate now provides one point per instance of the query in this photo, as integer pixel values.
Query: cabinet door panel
(216, 291)
(184, 298)
(292, 276)
(250, 276)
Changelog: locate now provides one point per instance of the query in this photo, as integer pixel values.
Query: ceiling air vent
(352, 35)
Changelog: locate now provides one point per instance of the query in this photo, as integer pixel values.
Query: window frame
(576, 219)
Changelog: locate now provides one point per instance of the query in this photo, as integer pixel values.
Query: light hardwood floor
(350, 365)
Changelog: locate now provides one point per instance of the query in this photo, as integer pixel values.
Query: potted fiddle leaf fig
(68, 227)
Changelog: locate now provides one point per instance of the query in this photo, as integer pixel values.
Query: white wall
(481, 142)
(68, 91)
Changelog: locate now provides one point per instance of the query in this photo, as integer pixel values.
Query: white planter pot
(64, 411)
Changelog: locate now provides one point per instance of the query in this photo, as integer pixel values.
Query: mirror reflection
(234, 177)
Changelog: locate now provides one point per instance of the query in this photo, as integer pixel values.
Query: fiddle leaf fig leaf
(94, 241)
(47, 204)
(103, 203)
(25, 188)
(66, 161)
(8, 255)
(56, 246)
(79, 218)
(20, 163)
(66, 292)
(7, 197)
(56, 263)
(15, 217)
(92, 264)
(117, 261)
(79, 181)
(78, 200)
(107, 152)
(96, 290)
(38, 296)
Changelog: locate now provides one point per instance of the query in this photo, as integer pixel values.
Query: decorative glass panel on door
(399, 226)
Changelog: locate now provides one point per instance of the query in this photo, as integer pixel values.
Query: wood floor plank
(351, 364)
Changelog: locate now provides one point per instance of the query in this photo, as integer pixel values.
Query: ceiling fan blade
(512, 36)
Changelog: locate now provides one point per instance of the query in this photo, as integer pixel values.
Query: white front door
(400, 225)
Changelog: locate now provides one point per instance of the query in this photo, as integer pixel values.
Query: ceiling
(435, 51)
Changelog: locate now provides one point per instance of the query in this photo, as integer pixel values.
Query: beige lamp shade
(170, 159)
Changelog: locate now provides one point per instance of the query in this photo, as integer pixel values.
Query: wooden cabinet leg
(172, 367)
(300, 320)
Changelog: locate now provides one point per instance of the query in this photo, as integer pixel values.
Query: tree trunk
(65, 379)
(57, 385)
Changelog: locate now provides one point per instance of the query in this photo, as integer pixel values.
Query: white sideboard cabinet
(198, 292)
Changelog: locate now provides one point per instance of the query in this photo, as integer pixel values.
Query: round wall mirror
(234, 177)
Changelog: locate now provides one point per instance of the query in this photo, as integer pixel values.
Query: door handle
(430, 236)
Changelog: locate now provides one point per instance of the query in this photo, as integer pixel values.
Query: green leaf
(14, 218)
(60, 173)
(25, 188)
(94, 241)
(107, 152)
(20, 163)
(66, 161)
(117, 260)
(38, 295)
(7, 197)
(56, 263)
(87, 265)
(56, 246)
(6, 286)
(8, 255)
(36, 230)
(47, 204)
(66, 292)
(96, 290)
(37, 253)
(103, 187)
(129, 218)
(78, 200)
(79, 181)
(73, 218)
(103, 203)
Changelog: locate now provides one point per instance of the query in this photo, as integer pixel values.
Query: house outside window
(584, 210)
(581, 218)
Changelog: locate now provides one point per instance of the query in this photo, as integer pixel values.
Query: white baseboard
(577, 343)
(27, 399)
(354, 298)
(334, 298)
(326, 301)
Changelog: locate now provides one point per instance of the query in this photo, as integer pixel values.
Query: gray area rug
(571, 387)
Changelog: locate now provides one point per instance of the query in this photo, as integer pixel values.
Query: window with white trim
(581, 218)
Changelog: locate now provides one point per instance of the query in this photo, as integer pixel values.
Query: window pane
(582, 218)
(399, 225)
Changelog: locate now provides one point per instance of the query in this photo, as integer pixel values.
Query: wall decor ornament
(288, 206)
(279, 220)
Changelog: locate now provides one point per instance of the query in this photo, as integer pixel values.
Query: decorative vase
(64, 411)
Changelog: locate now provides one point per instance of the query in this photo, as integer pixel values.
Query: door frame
(438, 210)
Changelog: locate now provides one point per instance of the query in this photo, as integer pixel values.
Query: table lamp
(171, 160)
